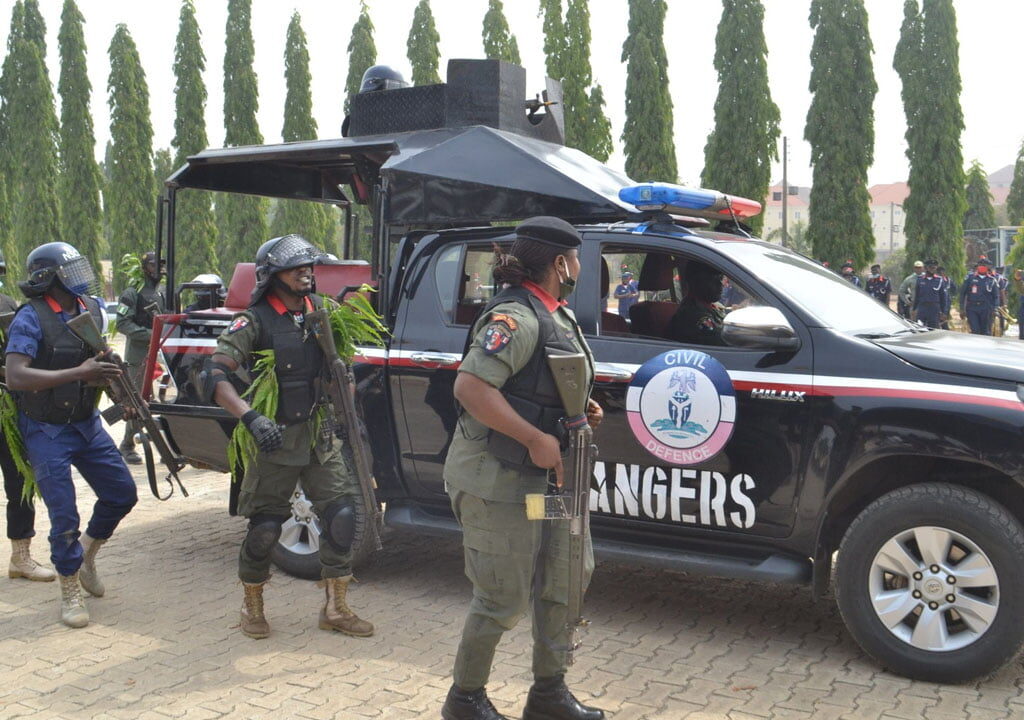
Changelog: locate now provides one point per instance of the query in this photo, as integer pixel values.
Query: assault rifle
(341, 391)
(572, 500)
(127, 396)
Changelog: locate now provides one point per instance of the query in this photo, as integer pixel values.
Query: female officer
(503, 449)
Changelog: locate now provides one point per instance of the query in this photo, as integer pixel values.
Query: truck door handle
(613, 372)
(434, 358)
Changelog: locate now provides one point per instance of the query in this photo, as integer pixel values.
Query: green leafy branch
(131, 269)
(9, 426)
(262, 396)
(354, 322)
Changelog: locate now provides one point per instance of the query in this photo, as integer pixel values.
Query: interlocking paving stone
(164, 642)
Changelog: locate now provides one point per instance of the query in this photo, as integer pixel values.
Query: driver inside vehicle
(698, 320)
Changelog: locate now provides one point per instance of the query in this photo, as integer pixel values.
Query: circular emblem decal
(682, 407)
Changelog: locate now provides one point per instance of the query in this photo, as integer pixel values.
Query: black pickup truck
(827, 439)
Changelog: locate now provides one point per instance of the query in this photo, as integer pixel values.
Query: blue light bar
(676, 199)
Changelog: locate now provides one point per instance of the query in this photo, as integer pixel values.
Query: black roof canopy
(436, 177)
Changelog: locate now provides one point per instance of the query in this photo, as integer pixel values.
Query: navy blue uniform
(54, 448)
(930, 299)
(879, 287)
(979, 299)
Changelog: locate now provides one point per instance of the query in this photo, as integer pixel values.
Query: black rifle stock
(127, 396)
(341, 391)
(572, 501)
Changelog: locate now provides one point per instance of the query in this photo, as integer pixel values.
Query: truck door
(441, 302)
(750, 485)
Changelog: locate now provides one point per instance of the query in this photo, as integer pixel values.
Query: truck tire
(297, 552)
(930, 582)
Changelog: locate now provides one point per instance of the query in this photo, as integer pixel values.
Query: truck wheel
(298, 551)
(930, 582)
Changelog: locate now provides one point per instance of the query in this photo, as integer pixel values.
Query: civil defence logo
(682, 407)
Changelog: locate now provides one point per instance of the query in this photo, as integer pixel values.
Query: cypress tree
(927, 60)
(35, 26)
(195, 229)
(980, 213)
(241, 219)
(5, 232)
(1015, 200)
(32, 187)
(424, 55)
(81, 214)
(9, 76)
(499, 42)
(598, 126)
(647, 134)
(131, 191)
(739, 153)
(311, 220)
(555, 42)
(586, 126)
(362, 53)
(840, 128)
(163, 166)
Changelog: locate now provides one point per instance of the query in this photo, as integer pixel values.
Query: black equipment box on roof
(478, 92)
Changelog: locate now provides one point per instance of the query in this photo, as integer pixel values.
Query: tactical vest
(298, 361)
(58, 350)
(531, 392)
(146, 296)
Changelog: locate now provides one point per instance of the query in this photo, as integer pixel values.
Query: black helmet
(61, 264)
(283, 253)
(381, 77)
(214, 281)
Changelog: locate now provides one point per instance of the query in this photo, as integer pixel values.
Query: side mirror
(759, 327)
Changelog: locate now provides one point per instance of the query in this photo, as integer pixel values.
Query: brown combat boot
(23, 566)
(336, 614)
(73, 612)
(254, 622)
(91, 582)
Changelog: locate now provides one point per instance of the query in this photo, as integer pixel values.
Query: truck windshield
(817, 290)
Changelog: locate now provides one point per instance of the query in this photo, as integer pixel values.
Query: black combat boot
(469, 705)
(550, 699)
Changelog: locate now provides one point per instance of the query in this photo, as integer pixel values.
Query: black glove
(265, 431)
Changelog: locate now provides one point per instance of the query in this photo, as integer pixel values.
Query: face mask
(566, 286)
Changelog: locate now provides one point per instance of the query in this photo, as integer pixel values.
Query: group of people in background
(927, 294)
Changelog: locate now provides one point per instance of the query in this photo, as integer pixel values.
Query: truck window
(642, 291)
(477, 285)
(446, 279)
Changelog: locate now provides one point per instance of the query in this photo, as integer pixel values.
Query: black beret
(932, 261)
(550, 231)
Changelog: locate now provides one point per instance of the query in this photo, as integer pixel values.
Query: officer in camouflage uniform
(135, 310)
(21, 514)
(504, 448)
(290, 448)
(698, 321)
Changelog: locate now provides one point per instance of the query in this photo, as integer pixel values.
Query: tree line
(52, 188)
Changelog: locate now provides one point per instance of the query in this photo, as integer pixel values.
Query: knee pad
(339, 526)
(264, 532)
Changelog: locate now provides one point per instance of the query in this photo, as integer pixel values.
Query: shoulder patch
(237, 324)
(123, 310)
(507, 319)
(496, 337)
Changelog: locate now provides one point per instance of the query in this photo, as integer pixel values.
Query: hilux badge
(682, 407)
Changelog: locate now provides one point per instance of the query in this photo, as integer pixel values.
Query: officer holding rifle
(135, 311)
(292, 445)
(53, 376)
(505, 448)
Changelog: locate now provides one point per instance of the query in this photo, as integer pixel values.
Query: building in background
(798, 204)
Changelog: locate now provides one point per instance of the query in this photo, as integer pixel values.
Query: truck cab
(818, 421)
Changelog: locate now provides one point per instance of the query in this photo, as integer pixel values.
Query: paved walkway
(164, 641)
